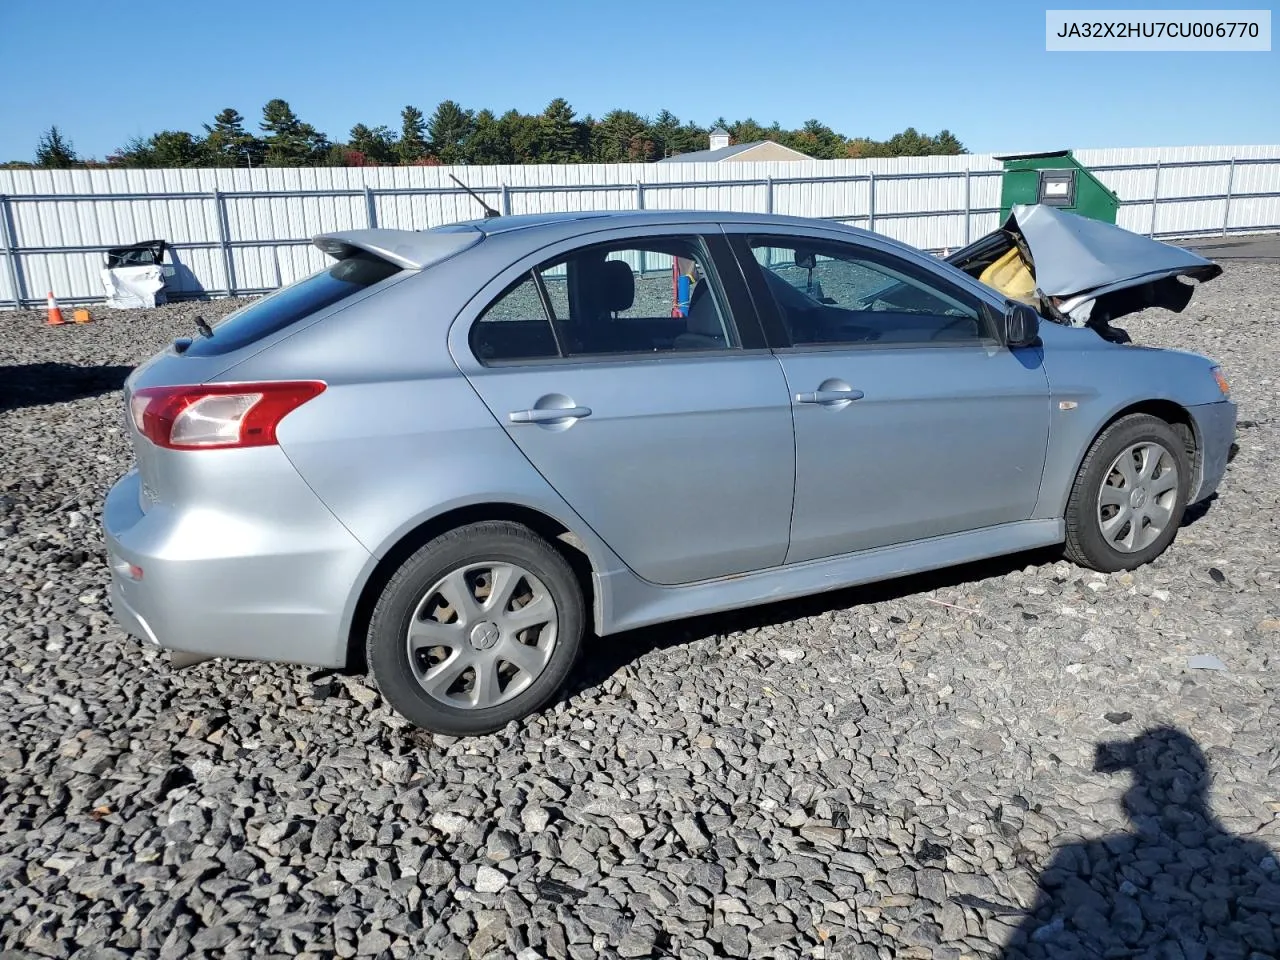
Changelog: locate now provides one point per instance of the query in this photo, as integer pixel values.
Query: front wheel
(1128, 499)
(478, 628)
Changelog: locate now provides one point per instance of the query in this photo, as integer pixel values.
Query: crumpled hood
(1075, 255)
(1074, 258)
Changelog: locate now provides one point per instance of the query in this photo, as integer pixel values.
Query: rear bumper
(217, 584)
(1215, 425)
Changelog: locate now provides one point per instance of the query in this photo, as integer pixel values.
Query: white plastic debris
(131, 288)
(134, 276)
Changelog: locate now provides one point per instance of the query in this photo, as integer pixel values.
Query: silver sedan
(451, 454)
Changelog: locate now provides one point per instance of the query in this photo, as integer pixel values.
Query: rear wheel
(1129, 496)
(478, 628)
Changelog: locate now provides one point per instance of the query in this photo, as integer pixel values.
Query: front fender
(1092, 382)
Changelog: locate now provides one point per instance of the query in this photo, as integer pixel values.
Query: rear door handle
(828, 396)
(548, 414)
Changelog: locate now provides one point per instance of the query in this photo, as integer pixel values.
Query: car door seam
(1048, 433)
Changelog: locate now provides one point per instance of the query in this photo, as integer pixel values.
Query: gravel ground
(906, 770)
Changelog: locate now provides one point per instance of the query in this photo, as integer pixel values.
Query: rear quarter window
(344, 279)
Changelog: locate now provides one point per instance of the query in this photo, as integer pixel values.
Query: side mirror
(1021, 325)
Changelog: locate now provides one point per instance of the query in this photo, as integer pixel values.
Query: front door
(911, 420)
(669, 435)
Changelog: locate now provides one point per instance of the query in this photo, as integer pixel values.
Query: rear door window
(345, 278)
(515, 327)
(647, 297)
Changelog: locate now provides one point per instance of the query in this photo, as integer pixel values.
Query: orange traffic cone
(55, 313)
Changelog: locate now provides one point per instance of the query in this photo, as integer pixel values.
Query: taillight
(220, 415)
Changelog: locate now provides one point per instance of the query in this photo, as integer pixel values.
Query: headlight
(1222, 381)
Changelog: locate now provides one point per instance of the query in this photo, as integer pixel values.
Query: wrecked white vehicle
(136, 276)
(1082, 272)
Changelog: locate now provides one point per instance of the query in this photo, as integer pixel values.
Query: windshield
(290, 304)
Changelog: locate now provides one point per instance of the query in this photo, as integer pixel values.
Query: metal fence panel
(245, 231)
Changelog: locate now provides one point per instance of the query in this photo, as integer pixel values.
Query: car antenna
(488, 210)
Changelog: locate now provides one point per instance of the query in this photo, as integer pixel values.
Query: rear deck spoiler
(410, 249)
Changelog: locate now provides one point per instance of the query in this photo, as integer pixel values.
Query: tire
(1125, 546)
(452, 635)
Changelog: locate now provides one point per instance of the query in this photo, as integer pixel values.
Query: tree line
(454, 135)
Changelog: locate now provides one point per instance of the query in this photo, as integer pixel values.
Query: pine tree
(55, 151)
(228, 144)
(488, 143)
(177, 148)
(377, 145)
(689, 137)
(664, 131)
(413, 135)
(908, 143)
(819, 140)
(449, 128)
(524, 133)
(289, 141)
(562, 137)
(946, 143)
(747, 131)
(621, 137)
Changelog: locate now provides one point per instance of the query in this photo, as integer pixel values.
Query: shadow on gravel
(34, 384)
(1196, 511)
(607, 655)
(1178, 884)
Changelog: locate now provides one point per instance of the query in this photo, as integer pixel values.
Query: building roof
(715, 156)
(719, 132)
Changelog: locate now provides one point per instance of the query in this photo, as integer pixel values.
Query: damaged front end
(1082, 272)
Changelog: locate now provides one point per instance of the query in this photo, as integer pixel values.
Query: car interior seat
(604, 288)
(703, 329)
(617, 287)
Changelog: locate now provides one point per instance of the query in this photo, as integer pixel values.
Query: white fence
(248, 231)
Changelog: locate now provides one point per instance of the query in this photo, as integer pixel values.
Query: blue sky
(864, 68)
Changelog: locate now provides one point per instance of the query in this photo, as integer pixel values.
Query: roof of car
(495, 225)
(417, 249)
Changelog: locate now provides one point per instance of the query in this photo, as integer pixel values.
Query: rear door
(911, 420)
(670, 435)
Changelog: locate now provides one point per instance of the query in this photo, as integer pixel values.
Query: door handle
(548, 414)
(828, 396)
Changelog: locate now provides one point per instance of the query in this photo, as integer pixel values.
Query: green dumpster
(1056, 179)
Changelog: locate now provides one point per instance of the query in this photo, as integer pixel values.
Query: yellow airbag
(1011, 276)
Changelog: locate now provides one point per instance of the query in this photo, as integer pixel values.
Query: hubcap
(1138, 496)
(481, 635)
(484, 635)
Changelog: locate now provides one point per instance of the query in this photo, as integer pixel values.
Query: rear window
(346, 278)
